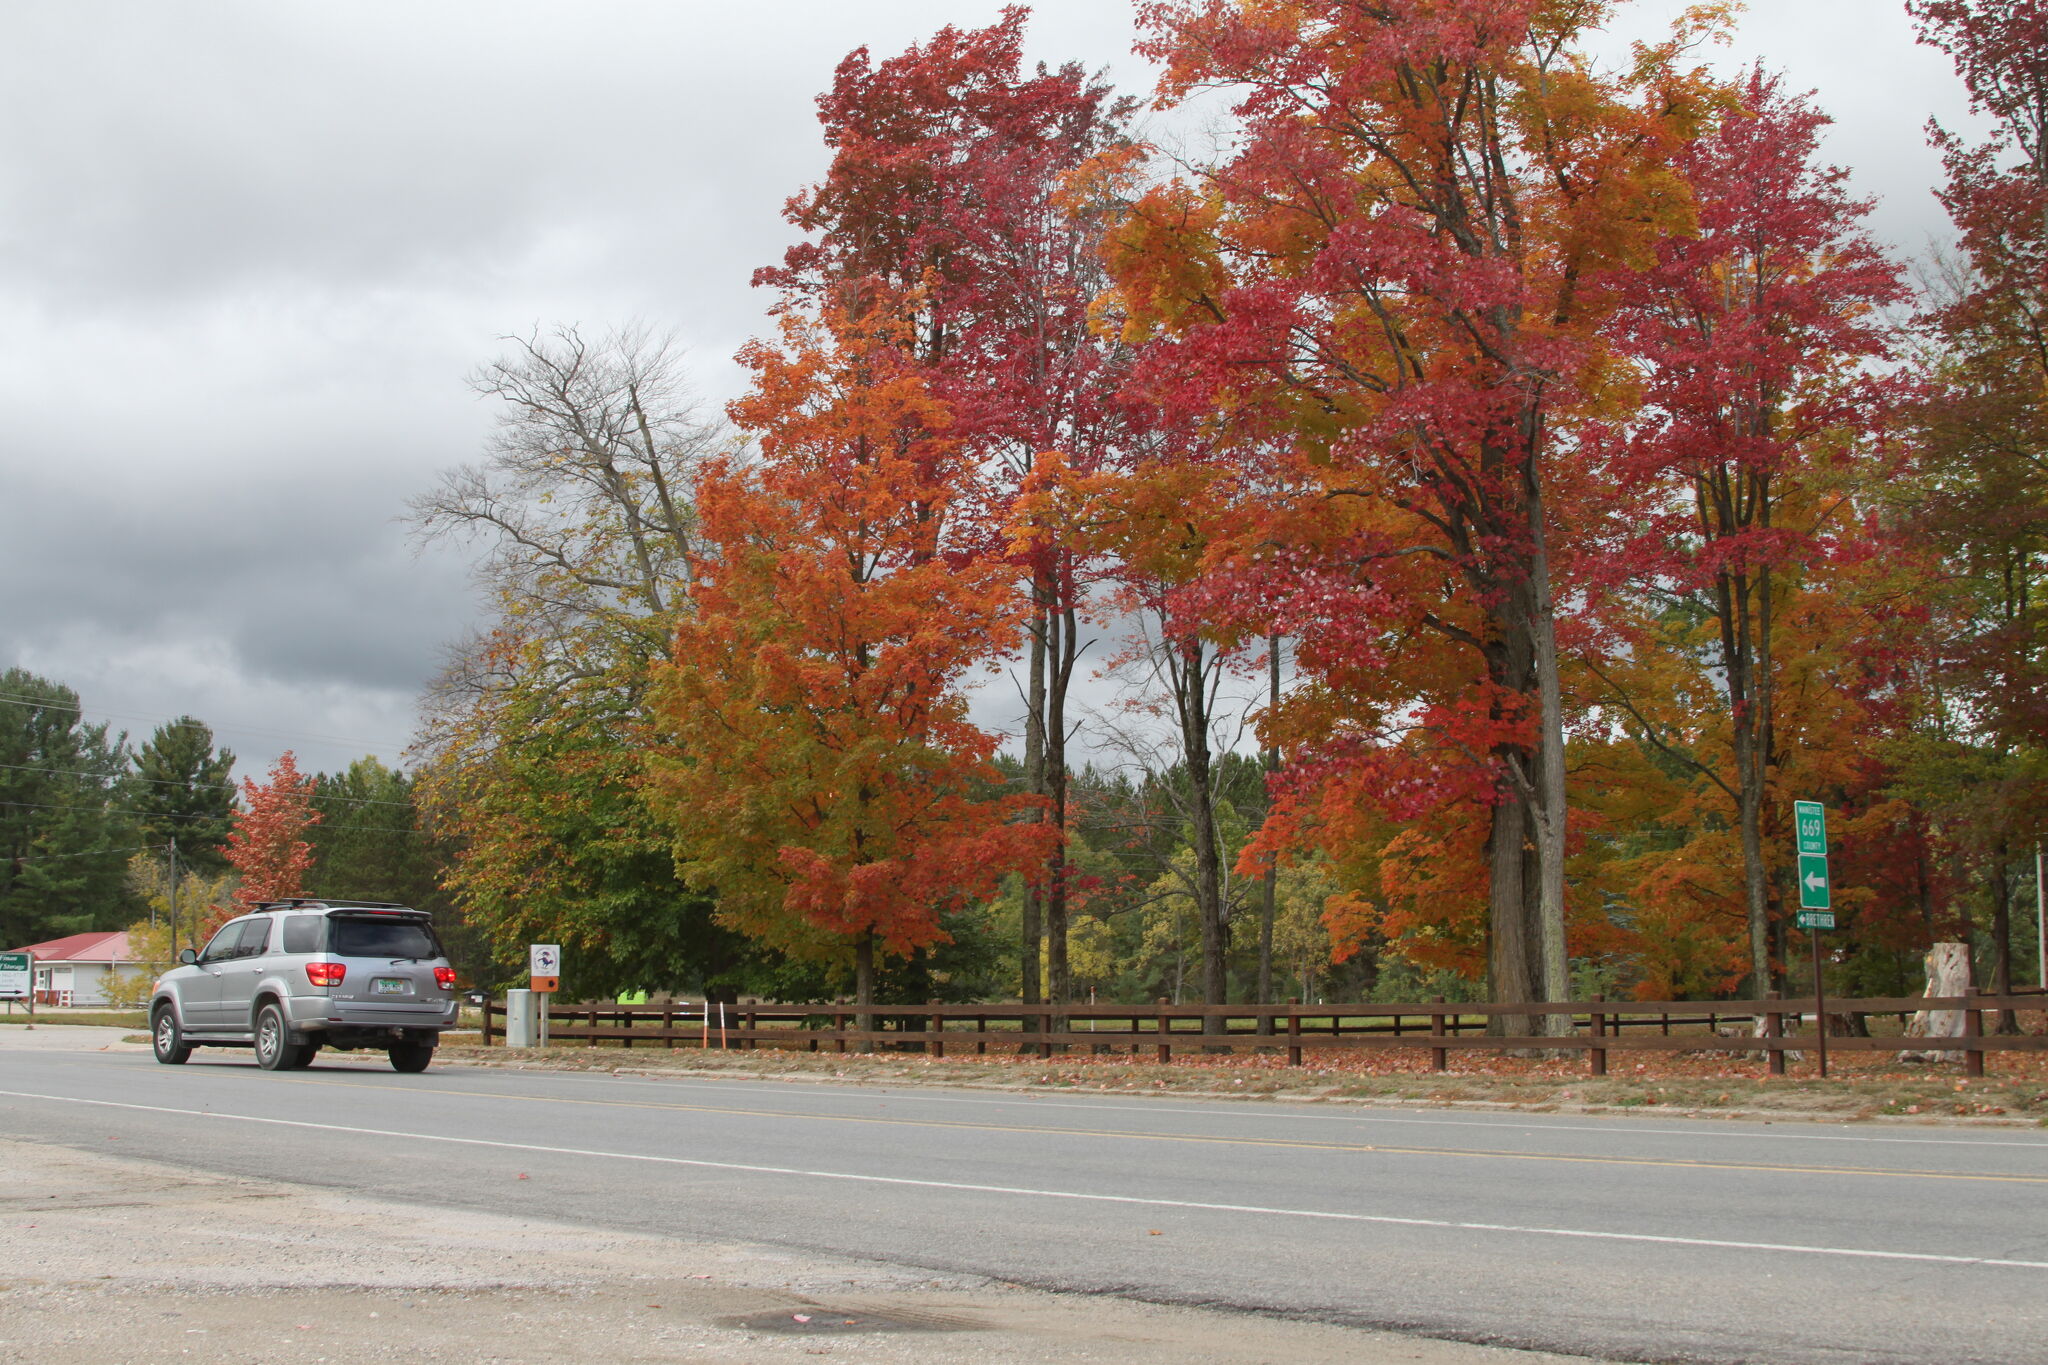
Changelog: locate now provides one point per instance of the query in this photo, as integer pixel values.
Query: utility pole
(174, 898)
(2040, 917)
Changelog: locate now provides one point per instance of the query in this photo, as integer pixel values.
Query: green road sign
(1813, 881)
(16, 972)
(1811, 817)
(1815, 919)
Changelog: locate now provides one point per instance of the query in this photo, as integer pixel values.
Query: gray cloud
(249, 250)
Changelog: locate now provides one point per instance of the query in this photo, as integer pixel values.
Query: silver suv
(300, 975)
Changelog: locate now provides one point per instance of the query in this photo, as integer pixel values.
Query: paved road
(1624, 1239)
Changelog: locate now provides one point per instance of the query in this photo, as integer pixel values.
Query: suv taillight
(325, 973)
(444, 977)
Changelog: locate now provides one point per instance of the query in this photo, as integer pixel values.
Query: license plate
(390, 985)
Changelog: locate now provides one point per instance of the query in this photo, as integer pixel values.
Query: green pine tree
(64, 833)
(184, 789)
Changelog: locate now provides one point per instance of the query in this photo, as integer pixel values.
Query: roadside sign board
(1815, 919)
(1811, 818)
(17, 976)
(1813, 882)
(544, 965)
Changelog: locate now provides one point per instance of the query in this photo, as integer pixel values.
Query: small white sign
(17, 973)
(544, 959)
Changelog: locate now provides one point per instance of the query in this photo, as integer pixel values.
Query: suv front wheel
(275, 1050)
(166, 1039)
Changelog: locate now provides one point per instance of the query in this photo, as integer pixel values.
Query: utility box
(522, 1019)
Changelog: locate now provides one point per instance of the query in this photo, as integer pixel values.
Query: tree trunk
(864, 985)
(1059, 987)
(1508, 947)
(1548, 810)
(1755, 884)
(1032, 932)
(1514, 890)
(1269, 886)
(2001, 934)
(1189, 665)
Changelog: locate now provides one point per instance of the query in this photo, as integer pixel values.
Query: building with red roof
(75, 970)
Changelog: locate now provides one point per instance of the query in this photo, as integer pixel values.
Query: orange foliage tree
(1379, 306)
(823, 775)
(267, 845)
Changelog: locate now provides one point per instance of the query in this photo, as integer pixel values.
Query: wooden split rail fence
(1598, 1027)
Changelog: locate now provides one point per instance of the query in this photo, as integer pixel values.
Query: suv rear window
(352, 937)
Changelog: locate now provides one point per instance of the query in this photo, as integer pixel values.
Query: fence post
(1596, 1023)
(981, 1035)
(1437, 1057)
(936, 1024)
(1294, 1030)
(839, 1027)
(1774, 1027)
(489, 1006)
(1973, 1033)
(1165, 1048)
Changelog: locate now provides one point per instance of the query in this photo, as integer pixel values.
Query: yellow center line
(1201, 1139)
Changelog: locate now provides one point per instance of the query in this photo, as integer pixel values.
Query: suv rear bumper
(318, 1014)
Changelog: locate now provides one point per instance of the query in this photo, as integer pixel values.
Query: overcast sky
(249, 251)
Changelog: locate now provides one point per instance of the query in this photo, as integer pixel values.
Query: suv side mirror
(188, 957)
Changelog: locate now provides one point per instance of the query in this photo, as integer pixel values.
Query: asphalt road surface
(1628, 1239)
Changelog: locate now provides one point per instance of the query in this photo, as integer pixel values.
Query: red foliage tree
(1983, 490)
(267, 844)
(954, 183)
(1378, 307)
(1757, 441)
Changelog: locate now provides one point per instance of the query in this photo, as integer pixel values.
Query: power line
(26, 699)
(194, 786)
(95, 853)
(152, 815)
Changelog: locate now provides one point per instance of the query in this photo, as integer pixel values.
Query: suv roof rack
(327, 903)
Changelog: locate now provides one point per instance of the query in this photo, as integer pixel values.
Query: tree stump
(1948, 973)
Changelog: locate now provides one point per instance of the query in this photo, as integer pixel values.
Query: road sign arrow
(1813, 881)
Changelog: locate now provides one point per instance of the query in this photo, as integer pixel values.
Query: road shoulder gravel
(108, 1258)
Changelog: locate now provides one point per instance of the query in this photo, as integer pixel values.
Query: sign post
(18, 979)
(1816, 907)
(544, 965)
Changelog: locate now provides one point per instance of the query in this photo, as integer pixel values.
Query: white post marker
(544, 967)
(1816, 912)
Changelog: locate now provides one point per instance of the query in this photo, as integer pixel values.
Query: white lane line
(1626, 1125)
(1082, 1196)
(1532, 1123)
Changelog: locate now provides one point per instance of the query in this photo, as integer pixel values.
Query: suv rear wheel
(411, 1056)
(275, 1050)
(167, 1039)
